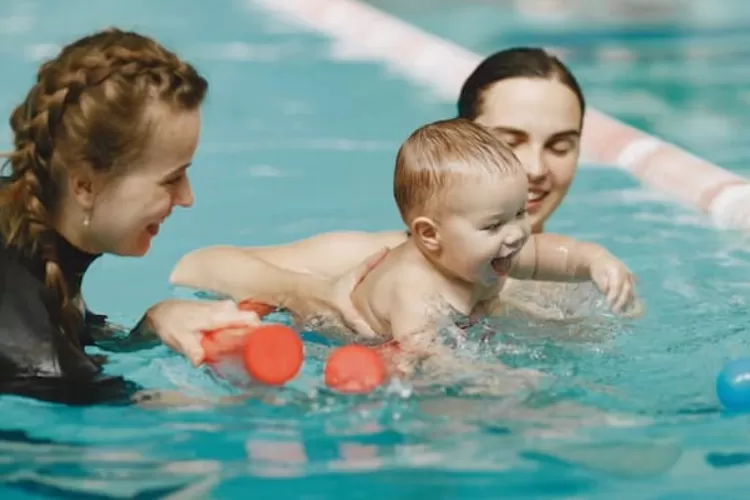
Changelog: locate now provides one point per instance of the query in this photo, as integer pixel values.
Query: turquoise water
(653, 64)
(296, 142)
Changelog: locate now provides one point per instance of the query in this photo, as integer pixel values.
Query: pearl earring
(86, 220)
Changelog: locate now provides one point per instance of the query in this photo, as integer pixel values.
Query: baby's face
(485, 226)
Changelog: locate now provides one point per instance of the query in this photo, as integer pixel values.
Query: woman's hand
(180, 323)
(331, 298)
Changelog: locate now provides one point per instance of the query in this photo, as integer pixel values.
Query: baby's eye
(521, 213)
(494, 226)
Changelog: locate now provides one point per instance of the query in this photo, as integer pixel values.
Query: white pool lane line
(362, 32)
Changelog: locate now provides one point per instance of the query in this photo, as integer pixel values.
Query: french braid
(85, 110)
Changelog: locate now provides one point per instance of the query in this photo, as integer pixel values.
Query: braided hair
(87, 109)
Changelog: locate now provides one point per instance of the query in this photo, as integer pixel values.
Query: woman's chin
(540, 214)
(142, 249)
(137, 248)
(536, 223)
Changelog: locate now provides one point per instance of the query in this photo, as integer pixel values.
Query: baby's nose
(515, 236)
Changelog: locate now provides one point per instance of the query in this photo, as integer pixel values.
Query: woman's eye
(561, 148)
(512, 142)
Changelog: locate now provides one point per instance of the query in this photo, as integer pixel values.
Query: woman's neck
(72, 228)
(73, 262)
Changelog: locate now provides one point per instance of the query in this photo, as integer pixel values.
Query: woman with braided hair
(102, 144)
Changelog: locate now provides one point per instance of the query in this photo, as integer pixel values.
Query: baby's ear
(427, 233)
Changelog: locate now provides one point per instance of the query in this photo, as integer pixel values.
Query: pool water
(653, 64)
(297, 141)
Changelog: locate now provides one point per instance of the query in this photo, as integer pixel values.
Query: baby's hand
(615, 280)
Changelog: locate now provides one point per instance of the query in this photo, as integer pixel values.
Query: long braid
(83, 112)
(26, 204)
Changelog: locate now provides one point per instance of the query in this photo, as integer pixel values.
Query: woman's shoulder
(30, 343)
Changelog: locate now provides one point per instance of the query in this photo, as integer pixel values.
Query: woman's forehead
(533, 105)
(174, 138)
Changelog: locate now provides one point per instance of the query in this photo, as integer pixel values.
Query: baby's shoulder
(413, 275)
(396, 278)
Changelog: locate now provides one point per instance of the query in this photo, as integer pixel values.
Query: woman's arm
(118, 338)
(240, 275)
(305, 295)
(179, 324)
(279, 274)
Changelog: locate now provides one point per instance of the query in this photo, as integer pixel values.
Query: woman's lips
(534, 200)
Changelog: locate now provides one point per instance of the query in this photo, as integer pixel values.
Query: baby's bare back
(401, 270)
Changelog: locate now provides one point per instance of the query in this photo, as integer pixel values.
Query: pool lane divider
(362, 32)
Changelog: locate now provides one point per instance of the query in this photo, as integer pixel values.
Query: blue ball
(733, 385)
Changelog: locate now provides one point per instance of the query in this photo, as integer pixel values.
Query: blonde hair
(437, 155)
(86, 109)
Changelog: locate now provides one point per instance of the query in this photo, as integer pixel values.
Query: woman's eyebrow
(509, 130)
(565, 134)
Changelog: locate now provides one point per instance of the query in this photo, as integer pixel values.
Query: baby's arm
(551, 257)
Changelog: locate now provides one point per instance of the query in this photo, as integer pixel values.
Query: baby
(462, 194)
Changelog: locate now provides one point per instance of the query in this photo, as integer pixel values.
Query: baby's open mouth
(501, 265)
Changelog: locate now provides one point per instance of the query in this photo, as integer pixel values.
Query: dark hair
(86, 109)
(518, 62)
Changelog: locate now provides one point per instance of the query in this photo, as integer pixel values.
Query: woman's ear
(81, 187)
(427, 233)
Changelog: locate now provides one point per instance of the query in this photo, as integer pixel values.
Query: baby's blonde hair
(437, 155)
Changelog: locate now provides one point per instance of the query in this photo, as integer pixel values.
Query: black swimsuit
(36, 359)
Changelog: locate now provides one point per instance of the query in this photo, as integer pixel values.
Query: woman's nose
(533, 163)
(184, 196)
(536, 169)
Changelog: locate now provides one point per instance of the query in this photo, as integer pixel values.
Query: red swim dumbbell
(272, 354)
(354, 369)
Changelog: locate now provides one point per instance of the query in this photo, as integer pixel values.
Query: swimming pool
(297, 141)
